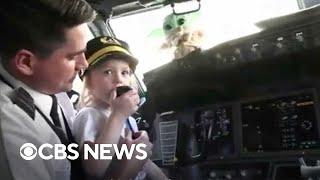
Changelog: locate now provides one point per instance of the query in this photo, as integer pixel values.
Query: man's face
(56, 73)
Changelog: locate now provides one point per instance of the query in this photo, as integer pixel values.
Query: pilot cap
(104, 48)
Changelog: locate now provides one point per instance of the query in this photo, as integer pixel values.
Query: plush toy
(182, 34)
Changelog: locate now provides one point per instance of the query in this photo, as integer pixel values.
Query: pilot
(42, 46)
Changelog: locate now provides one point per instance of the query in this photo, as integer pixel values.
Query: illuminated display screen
(214, 126)
(280, 124)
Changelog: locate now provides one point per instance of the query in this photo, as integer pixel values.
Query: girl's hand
(126, 104)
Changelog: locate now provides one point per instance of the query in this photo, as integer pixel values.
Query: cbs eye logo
(28, 151)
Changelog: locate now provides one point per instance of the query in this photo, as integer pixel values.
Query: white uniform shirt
(89, 121)
(19, 128)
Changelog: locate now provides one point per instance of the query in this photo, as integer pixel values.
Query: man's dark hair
(39, 25)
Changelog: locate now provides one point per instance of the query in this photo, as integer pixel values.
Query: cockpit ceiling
(120, 7)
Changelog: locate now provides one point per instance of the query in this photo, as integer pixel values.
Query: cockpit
(232, 87)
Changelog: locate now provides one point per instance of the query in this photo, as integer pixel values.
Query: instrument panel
(287, 123)
(247, 139)
(263, 127)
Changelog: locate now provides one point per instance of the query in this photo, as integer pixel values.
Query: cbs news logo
(29, 151)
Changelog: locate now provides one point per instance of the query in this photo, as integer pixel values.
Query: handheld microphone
(123, 89)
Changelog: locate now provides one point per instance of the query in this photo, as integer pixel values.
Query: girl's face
(107, 76)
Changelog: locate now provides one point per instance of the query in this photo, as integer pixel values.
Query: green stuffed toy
(181, 33)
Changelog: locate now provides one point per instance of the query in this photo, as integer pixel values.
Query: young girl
(104, 116)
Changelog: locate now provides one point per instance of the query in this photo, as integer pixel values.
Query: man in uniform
(42, 44)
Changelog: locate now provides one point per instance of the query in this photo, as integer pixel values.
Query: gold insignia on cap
(104, 40)
(108, 40)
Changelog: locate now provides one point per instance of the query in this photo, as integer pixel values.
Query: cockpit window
(217, 21)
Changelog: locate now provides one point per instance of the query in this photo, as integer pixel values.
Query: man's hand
(141, 137)
(130, 168)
